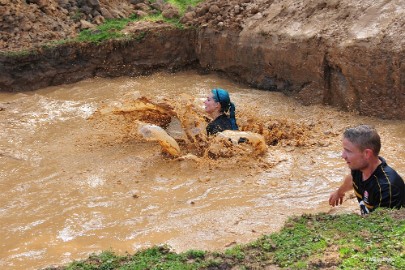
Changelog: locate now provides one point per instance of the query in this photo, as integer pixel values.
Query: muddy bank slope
(341, 53)
(158, 49)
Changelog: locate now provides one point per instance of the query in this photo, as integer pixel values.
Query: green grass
(346, 241)
(108, 30)
(183, 4)
(20, 53)
(153, 258)
(111, 29)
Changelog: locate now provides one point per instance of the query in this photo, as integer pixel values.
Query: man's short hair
(365, 137)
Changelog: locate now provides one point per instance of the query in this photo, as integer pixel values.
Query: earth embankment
(168, 49)
(349, 55)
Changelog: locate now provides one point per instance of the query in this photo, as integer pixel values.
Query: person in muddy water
(217, 105)
(374, 182)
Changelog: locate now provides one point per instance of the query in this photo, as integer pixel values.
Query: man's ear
(368, 153)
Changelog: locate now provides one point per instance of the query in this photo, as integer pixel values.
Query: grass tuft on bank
(108, 30)
(182, 5)
(320, 241)
(111, 29)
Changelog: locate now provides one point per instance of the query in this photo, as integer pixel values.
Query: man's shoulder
(390, 173)
(387, 168)
(356, 174)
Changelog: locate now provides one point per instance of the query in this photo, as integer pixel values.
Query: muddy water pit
(78, 176)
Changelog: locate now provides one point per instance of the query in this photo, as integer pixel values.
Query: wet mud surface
(78, 176)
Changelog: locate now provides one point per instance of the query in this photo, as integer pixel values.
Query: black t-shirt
(220, 123)
(384, 188)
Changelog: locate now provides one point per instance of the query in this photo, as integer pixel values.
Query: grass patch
(159, 17)
(152, 258)
(111, 29)
(308, 242)
(19, 53)
(182, 5)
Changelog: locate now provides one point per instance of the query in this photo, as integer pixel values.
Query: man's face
(354, 157)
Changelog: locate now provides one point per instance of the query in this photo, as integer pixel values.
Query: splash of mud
(179, 126)
(230, 143)
(156, 133)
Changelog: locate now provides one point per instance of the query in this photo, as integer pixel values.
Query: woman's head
(222, 96)
(219, 102)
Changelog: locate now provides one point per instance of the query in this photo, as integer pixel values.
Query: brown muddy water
(75, 182)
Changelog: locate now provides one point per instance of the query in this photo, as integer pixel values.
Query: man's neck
(368, 171)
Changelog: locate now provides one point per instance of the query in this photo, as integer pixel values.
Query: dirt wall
(368, 80)
(343, 53)
(168, 49)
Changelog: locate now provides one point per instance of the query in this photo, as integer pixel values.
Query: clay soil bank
(346, 54)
